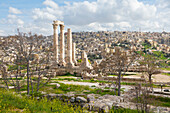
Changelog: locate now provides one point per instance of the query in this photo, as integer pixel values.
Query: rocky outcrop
(95, 102)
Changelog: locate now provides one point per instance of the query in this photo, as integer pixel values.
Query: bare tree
(142, 98)
(150, 65)
(41, 67)
(3, 70)
(10, 64)
(117, 63)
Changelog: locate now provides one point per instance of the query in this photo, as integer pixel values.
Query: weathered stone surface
(72, 99)
(69, 95)
(55, 42)
(53, 95)
(90, 106)
(81, 99)
(69, 49)
(160, 110)
(38, 98)
(59, 95)
(74, 53)
(57, 85)
(85, 63)
(105, 109)
(62, 46)
(112, 98)
(109, 103)
(43, 93)
(98, 106)
(90, 98)
(103, 103)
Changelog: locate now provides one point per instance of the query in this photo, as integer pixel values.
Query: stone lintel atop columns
(62, 46)
(58, 22)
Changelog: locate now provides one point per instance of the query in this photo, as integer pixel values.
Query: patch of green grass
(156, 100)
(69, 79)
(15, 67)
(19, 78)
(159, 54)
(78, 89)
(166, 74)
(159, 101)
(80, 60)
(123, 110)
(101, 92)
(65, 88)
(168, 69)
(126, 83)
(123, 75)
(10, 102)
(146, 45)
(67, 74)
(112, 75)
(75, 88)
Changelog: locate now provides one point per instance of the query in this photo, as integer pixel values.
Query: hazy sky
(84, 15)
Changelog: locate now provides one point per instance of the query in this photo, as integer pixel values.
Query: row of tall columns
(70, 58)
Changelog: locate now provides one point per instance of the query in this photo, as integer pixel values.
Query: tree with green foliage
(146, 44)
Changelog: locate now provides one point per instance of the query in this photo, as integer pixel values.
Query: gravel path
(80, 83)
(126, 88)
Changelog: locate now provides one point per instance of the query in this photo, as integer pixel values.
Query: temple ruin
(66, 57)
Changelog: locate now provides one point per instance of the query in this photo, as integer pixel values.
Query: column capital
(55, 26)
(69, 30)
(62, 26)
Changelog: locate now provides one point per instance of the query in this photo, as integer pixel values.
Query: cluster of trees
(22, 56)
(120, 61)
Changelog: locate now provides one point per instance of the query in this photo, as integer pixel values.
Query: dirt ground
(161, 78)
(155, 78)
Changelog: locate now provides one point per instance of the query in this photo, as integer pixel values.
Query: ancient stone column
(85, 59)
(74, 53)
(55, 42)
(69, 48)
(85, 63)
(62, 45)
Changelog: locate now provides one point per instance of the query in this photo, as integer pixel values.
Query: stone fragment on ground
(81, 99)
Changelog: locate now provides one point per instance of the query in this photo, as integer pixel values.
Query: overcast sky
(84, 15)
